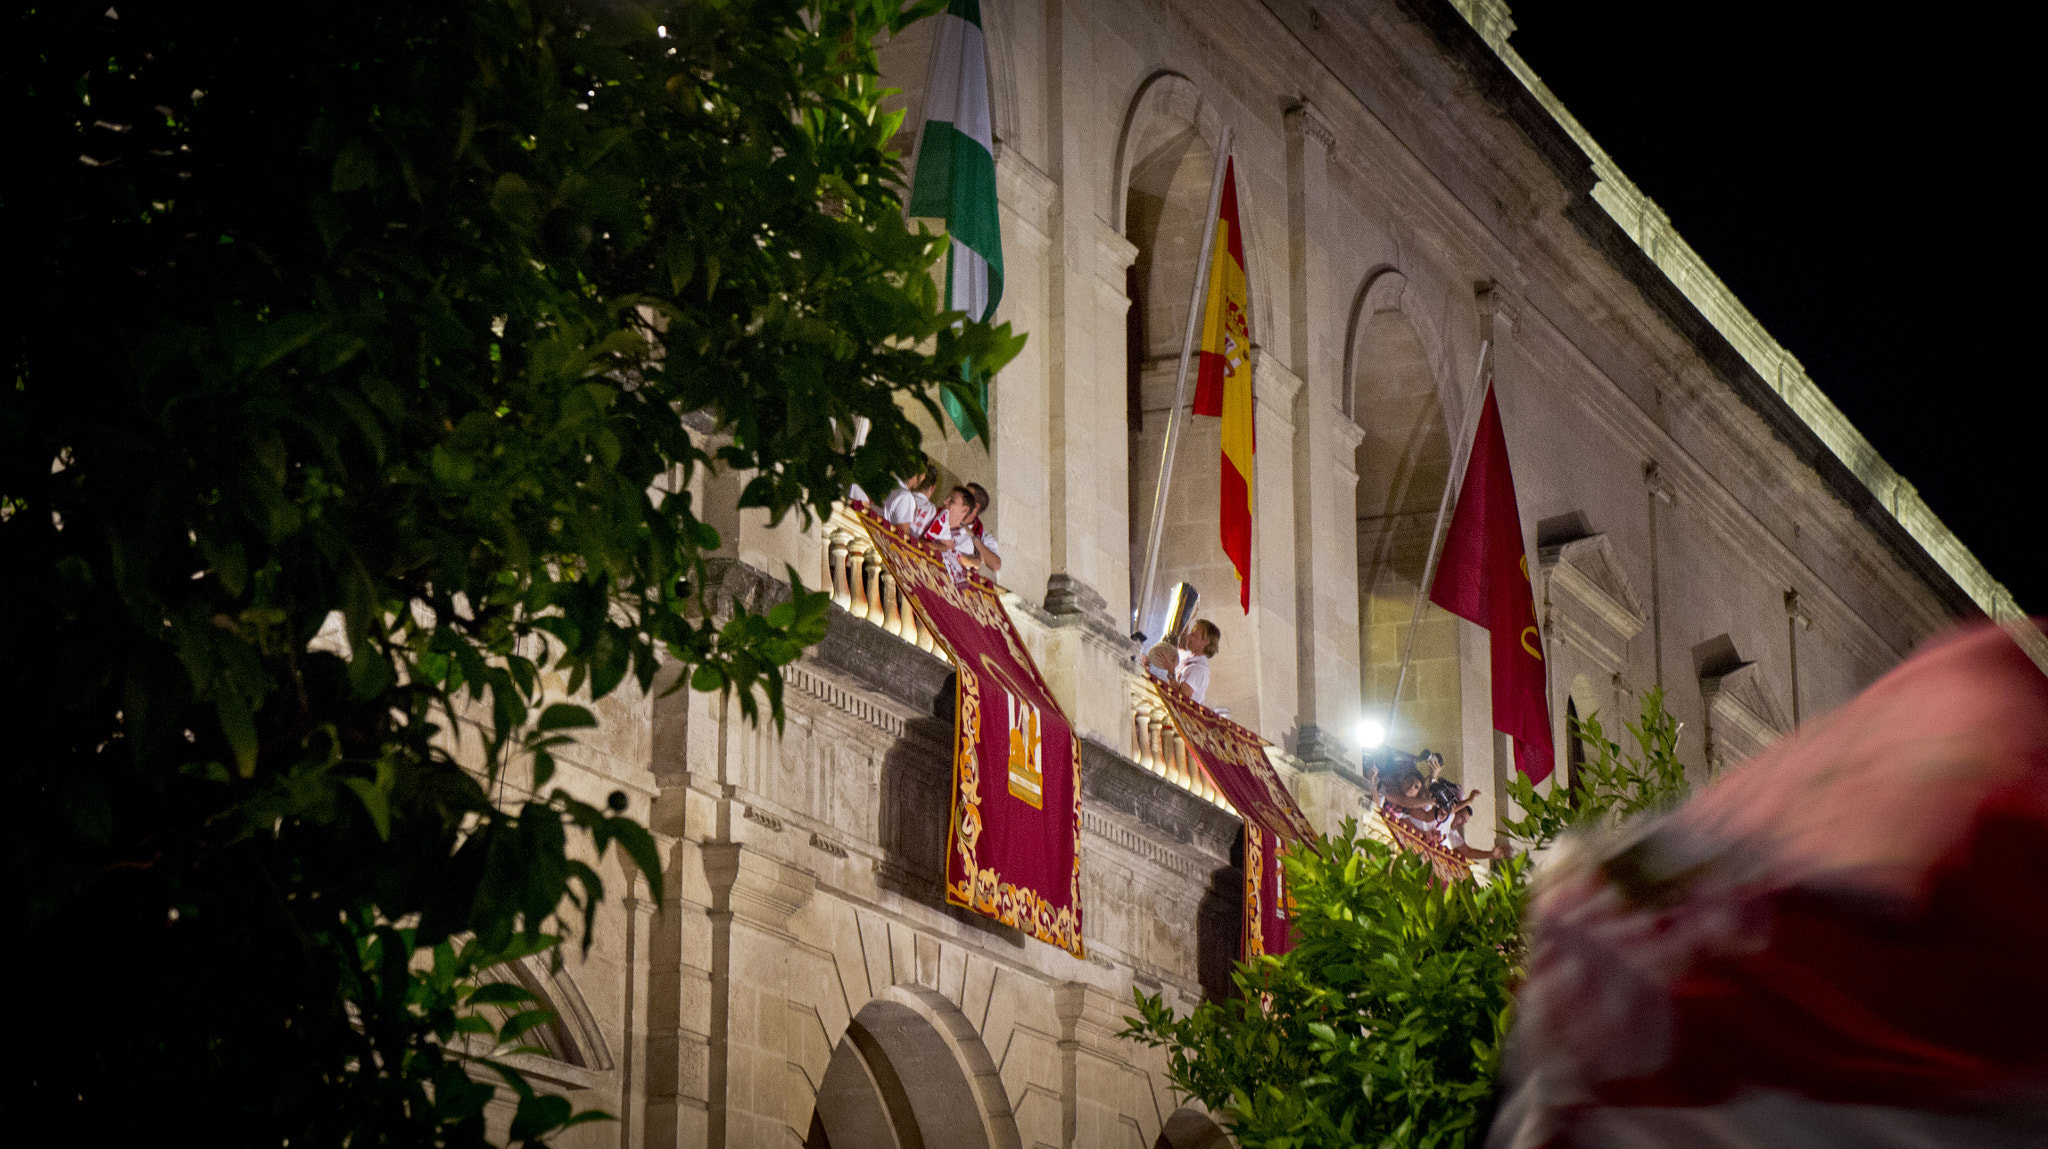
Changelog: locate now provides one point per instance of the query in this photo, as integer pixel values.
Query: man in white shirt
(1197, 644)
(956, 526)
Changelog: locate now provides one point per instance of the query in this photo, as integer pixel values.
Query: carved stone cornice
(1592, 605)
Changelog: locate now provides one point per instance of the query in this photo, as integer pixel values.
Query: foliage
(1610, 786)
(1382, 1027)
(1379, 1028)
(389, 317)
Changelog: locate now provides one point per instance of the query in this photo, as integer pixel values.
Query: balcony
(863, 586)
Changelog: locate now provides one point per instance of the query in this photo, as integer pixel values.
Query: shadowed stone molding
(852, 648)
(1591, 604)
(753, 885)
(1741, 716)
(1114, 785)
(1071, 602)
(844, 700)
(1304, 118)
(1323, 750)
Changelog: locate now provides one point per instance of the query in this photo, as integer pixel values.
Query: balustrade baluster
(1177, 760)
(874, 584)
(892, 616)
(857, 561)
(835, 567)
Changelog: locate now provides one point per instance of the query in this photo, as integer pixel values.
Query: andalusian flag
(1224, 386)
(956, 173)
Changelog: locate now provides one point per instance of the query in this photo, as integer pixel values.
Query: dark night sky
(1861, 184)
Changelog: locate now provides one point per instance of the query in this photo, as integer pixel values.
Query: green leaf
(354, 168)
(565, 716)
(239, 726)
(500, 993)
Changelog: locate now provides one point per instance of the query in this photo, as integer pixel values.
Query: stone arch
(1165, 107)
(574, 1036)
(1190, 1128)
(1405, 408)
(910, 1072)
(1165, 160)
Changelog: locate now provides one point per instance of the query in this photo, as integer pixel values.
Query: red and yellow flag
(1224, 385)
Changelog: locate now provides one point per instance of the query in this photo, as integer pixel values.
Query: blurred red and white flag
(1842, 943)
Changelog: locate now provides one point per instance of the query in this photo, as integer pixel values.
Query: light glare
(1370, 733)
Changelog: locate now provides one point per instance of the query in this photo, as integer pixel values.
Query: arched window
(1403, 461)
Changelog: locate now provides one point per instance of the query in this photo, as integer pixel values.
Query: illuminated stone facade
(1409, 192)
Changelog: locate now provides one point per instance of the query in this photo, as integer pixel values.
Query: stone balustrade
(862, 585)
(1157, 747)
(861, 582)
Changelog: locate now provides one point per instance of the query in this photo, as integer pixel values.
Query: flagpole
(1461, 453)
(1180, 384)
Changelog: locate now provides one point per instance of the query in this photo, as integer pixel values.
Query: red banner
(1012, 847)
(1267, 907)
(1235, 760)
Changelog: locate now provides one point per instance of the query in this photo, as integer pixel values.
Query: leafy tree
(1611, 786)
(1382, 1027)
(388, 317)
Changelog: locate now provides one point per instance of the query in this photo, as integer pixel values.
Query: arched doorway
(893, 1083)
(1403, 460)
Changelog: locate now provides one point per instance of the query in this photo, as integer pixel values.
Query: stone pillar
(1083, 332)
(1324, 479)
(1094, 1064)
(1263, 666)
(752, 898)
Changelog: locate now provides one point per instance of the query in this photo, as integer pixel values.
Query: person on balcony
(910, 504)
(1184, 667)
(1404, 795)
(956, 527)
(1454, 838)
(1197, 644)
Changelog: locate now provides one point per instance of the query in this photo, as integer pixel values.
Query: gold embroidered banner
(1013, 845)
(1235, 760)
(1449, 866)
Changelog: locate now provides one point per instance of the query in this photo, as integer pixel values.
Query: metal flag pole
(1461, 453)
(1199, 298)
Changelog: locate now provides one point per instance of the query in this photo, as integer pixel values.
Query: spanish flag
(1224, 385)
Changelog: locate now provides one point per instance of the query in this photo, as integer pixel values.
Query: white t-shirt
(1194, 674)
(905, 508)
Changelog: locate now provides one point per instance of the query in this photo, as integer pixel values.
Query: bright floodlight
(1370, 733)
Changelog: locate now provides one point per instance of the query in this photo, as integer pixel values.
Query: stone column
(1094, 1064)
(1266, 662)
(752, 898)
(1324, 479)
(1083, 334)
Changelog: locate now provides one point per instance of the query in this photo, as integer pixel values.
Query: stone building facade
(1699, 517)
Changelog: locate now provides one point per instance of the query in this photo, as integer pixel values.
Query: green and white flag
(956, 173)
